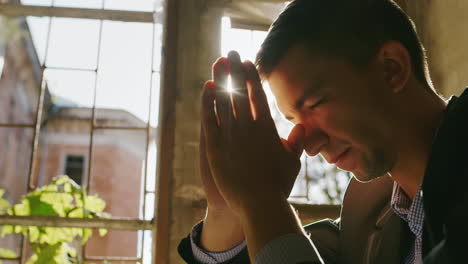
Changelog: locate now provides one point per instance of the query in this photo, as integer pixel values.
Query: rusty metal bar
(113, 259)
(53, 221)
(17, 125)
(10, 259)
(93, 119)
(37, 128)
(93, 114)
(16, 10)
(148, 136)
(118, 128)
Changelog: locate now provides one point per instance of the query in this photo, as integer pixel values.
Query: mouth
(337, 159)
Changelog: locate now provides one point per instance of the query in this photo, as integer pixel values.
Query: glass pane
(157, 47)
(39, 28)
(114, 244)
(37, 2)
(124, 69)
(244, 48)
(71, 88)
(147, 247)
(66, 134)
(257, 39)
(97, 4)
(151, 169)
(73, 43)
(139, 5)
(149, 206)
(156, 92)
(117, 170)
(16, 146)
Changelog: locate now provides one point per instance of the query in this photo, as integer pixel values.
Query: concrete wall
(197, 46)
(442, 26)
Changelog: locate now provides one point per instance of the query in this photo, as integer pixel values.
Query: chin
(367, 177)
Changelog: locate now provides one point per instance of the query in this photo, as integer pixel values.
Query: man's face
(345, 110)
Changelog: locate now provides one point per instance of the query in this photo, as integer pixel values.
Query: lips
(337, 158)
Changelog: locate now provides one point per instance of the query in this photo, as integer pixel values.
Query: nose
(315, 139)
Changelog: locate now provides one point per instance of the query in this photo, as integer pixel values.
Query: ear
(396, 62)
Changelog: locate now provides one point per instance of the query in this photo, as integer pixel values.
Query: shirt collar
(411, 212)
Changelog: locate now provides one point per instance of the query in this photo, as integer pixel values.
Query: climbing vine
(61, 198)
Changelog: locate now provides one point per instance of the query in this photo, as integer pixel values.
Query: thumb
(296, 139)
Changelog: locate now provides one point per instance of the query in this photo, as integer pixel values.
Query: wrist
(231, 235)
(265, 222)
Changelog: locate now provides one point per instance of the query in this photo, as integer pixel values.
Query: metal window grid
(18, 10)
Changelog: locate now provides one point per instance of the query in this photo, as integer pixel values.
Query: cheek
(346, 125)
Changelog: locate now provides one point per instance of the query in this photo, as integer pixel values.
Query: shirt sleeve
(290, 248)
(209, 257)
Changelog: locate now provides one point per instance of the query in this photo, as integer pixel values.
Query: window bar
(96, 127)
(18, 125)
(37, 127)
(116, 259)
(148, 136)
(93, 121)
(55, 221)
(70, 69)
(16, 10)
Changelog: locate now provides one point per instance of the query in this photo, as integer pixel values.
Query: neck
(420, 120)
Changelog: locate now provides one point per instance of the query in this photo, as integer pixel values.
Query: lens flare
(229, 88)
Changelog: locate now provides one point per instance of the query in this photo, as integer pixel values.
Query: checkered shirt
(208, 257)
(412, 212)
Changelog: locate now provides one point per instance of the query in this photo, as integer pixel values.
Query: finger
(296, 140)
(209, 120)
(223, 100)
(258, 99)
(239, 95)
(204, 167)
(220, 72)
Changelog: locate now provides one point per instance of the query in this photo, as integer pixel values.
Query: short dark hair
(350, 29)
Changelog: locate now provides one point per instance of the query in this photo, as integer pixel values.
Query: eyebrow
(307, 93)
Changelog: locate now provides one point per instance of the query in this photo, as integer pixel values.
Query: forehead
(296, 72)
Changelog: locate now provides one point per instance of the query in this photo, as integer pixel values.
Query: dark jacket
(369, 231)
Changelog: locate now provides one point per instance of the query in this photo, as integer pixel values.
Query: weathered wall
(442, 26)
(198, 45)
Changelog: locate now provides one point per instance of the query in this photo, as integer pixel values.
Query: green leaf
(102, 231)
(22, 208)
(61, 180)
(86, 234)
(4, 204)
(76, 213)
(33, 234)
(7, 229)
(6, 253)
(62, 198)
(94, 204)
(39, 207)
(47, 254)
(61, 202)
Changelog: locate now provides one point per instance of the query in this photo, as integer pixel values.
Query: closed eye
(319, 102)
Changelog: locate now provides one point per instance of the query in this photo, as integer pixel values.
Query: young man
(352, 76)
